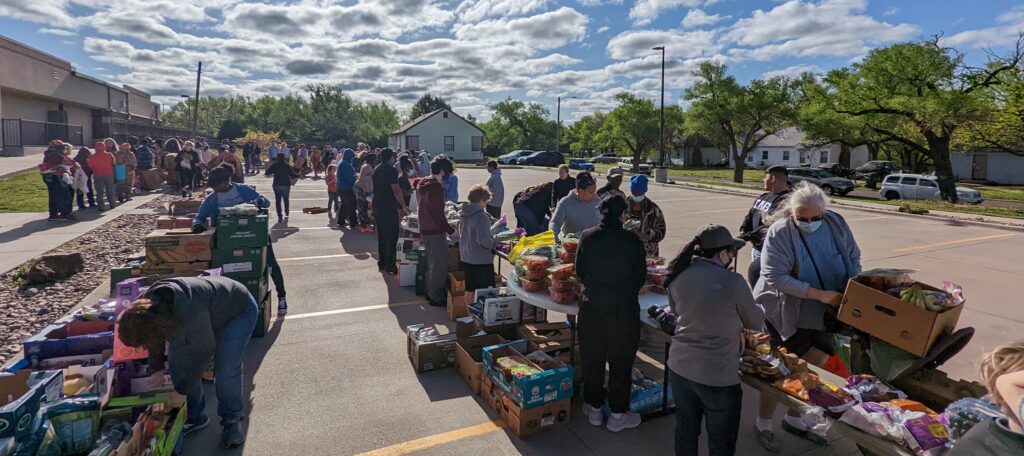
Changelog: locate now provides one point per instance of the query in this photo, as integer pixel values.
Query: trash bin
(661, 175)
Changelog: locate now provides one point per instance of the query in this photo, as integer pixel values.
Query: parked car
(874, 171)
(513, 157)
(542, 158)
(605, 158)
(723, 163)
(837, 169)
(830, 184)
(581, 164)
(626, 164)
(926, 187)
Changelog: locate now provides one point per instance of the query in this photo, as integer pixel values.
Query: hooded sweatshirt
(475, 241)
(201, 307)
(497, 188)
(346, 173)
(572, 215)
(430, 199)
(102, 162)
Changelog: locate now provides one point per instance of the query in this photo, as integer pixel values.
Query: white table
(543, 300)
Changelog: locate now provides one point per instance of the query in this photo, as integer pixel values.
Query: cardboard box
(167, 436)
(54, 342)
(86, 327)
(21, 395)
(466, 327)
(241, 262)
(153, 272)
(118, 275)
(184, 207)
(152, 179)
(170, 222)
(468, 361)
(526, 423)
(127, 292)
(530, 391)
(496, 311)
(534, 314)
(456, 282)
(236, 231)
(457, 306)
(406, 274)
(265, 315)
(408, 250)
(454, 259)
(899, 323)
(178, 246)
(434, 354)
(258, 287)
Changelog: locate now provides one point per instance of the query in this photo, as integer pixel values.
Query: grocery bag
(120, 173)
(544, 239)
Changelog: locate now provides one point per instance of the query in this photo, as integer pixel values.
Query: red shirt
(332, 183)
(102, 164)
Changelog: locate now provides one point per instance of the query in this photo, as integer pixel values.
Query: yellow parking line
(413, 446)
(957, 242)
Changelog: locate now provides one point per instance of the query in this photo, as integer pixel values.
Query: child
(332, 191)
(476, 244)
(1002, 372)
(364, 193)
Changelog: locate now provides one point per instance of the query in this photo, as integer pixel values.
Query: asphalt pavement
(333, 376)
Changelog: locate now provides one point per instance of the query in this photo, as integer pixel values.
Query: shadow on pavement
(361, 246)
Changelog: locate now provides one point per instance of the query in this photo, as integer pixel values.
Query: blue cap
(638, 184)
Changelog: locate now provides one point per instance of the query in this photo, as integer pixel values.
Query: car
(581, 164)
(605, 158)
(874, 171)
(626, 164)
(542, 158)
(828, 183)
(723, 163)
(837, 169)
(512, 158)
(925, 187)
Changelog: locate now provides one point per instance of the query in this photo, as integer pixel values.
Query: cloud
(697, 17)
(891, 11)
(1009, 25)
(543, 31)
(645, 11)
(308, 67)
(593, 3)
(50, 12)
(677, 44)
(792, 71)
(472, 10)
(602, 29)
(58, 32)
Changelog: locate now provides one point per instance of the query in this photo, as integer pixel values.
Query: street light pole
(558, 123)
(195, 117)
(661, 129)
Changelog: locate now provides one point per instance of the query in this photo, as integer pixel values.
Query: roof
(787, 137)
(409, 125)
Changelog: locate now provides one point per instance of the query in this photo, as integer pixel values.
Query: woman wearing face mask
(651, 229)
(808, 256)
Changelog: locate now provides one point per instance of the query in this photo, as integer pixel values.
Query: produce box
(166, 437)
(899, 323)
(53, 342)
(466, 327)
(525, 422)
(184, 207)
(234, 231)
(494, 307)
(154, 272)
(178, 246)
(457, 306)
(421, 278)
(152, 179)
(406, 274)
(456, 282)
(265, 315)
(435, 354)
(408, 250)
(124, 352)
(170, 222)
(241, 262)
(468, 360)
(21, 395)
(258, 287)
(530, 391)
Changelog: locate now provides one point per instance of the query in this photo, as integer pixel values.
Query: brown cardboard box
(453, 259)
(170, 222)
(899, 323)
(152, 179)
(466, 327)
(456, 282)
(525, 423)
(184, 207)
(457, 307)
(435, 354)
(168, 270)
(467, 358)
(178, 246)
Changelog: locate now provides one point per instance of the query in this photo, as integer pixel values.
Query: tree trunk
(938, 147)
(635, 169)
(844, 155)
(738, 164)
(873, 151)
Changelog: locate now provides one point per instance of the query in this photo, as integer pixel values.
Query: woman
(579, 210)
(126, 158)
(187, 164)
(82, 158)
(1002, 371)
(316, 161)
(476, 244)
(204, 320)
(101, 162)
(532, 207)
(406, 173)
(451, 184)
(712, 305)
(283, 174)
(562, 186)
(226, 154)
(57, 171)
(809, 254)
(364, 192)
(613, 267)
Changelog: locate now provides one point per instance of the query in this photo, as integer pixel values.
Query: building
(790, 148)
(42, 98)
(440, 132)
(994, 166)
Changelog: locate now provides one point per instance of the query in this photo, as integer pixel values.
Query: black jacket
(283, 173)
(561, 188)
(612, 264)
(537, 199)
(753, 228)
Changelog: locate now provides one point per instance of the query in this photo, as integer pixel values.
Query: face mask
(809, 227)
(638, 198)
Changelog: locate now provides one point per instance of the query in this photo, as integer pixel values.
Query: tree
(374, 122)
(582, 135)
(332, 115)
(917, 95)
(738, 118)
(230, 129)
(517, 125)
(634, 124)
(428, 104)
(1001, 125)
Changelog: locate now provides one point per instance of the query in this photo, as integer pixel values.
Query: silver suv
(925, 187)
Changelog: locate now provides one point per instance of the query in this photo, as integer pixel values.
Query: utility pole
(195, 116)
(661, 129)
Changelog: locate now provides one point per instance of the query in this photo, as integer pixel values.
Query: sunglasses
(809, 219)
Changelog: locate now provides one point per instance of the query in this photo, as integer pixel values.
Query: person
(205, 156)
(57, 171)
(333, 207)
(247, 156)
(364, 192)
(808, 256)
(328, 156)
(562, 186)
(316, 162)
(274, 151)
(434, 228)
(476, 244)
(614, 177)
(82, 158)
(257, 157)
(451, 186)
(283, 174)
(406, 172)
(200, 320)
(301, 160)
(102, 164)
(126, 158)
(497, 189)
(579, 210)
(226, 154)
(388, 208)
(712, 305)
(424, 164)
(651, 229)
(187, 164)
(1002, 372)
(532, 207)
(227, 194)
(284, 150)
(346, 193)
(144, 155)
(613, 267)
(754, 226)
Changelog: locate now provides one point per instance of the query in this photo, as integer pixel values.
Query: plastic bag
(545, 239)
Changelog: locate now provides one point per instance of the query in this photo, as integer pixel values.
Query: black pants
(275, 271)
(348, 209)
(611, 339)
(720, 406)
(83, 195)
(478, 275)
(386, 221)
(494, 211)
(754, 272)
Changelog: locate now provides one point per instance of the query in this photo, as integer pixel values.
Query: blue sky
(474, 53)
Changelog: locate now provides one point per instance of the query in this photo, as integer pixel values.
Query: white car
(626, 165)
(917, 186)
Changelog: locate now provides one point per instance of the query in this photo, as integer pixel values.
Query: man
(434, 228)
(144, 155)
(754, 228)
(611, 188)
(346, 190)
(651, 229)
(388, 208)
(273, 151)
(247, 157)
(497, 188)
(561, 187)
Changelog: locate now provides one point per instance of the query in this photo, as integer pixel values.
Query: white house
(995, 166)
(440, 132)
(788, 147)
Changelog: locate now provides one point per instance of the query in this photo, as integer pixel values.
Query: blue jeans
(721, 405)
(227, 366)
(529, 221)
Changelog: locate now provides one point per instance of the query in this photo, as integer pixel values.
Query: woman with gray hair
(809, 254)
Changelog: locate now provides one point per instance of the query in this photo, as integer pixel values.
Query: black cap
(613, 207)
(716, 237)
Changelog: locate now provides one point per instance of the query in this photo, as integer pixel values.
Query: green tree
(518, 125)
(332, 114)
(1001, 125)
(374, 122)
(633, 123)
(582, 135)
(427, 104)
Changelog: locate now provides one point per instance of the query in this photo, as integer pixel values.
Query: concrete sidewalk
(24, 236)
(14, 165)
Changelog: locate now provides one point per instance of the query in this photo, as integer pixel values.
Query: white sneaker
(594, 415)
(624, 421)
(282, 306)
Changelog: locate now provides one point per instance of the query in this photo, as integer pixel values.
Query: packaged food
(868, 388)
(570, 244)
(831, 398)
(535, 262)
(964, 413)
(567, 257)
(561, 272)
(876, 419)
(565, 285)
(926, 435)
(657, 274)
(885, 278)
(656, 261)
(547, 251)
(536, 274)
(533, 286)
(631, 225)
(652, 288)
(563, 297)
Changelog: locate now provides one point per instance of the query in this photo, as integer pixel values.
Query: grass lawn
(24, 192)
(1003, 192)
(949, 207)
(749, 175)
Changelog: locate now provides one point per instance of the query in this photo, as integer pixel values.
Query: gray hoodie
(572, 215)
(497, 189)
(475, 241)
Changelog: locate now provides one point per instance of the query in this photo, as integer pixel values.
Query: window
(449, 144)
(412, 142)
(478, 143)
(909, 181)
(785, 155)
(824, 156)
(444, 114)
(764, 155)
(892, 179)
(929, 183)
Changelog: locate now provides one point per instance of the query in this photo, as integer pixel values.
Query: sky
(477, 52)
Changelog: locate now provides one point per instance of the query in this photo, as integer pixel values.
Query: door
(412, 142)
(908, 187)
(979, 167)
(928, 189)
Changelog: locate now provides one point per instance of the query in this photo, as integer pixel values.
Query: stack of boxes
(177, 253)
(241, 253)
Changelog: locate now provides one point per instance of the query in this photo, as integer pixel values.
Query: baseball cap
(612, 172)
(717, 236)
